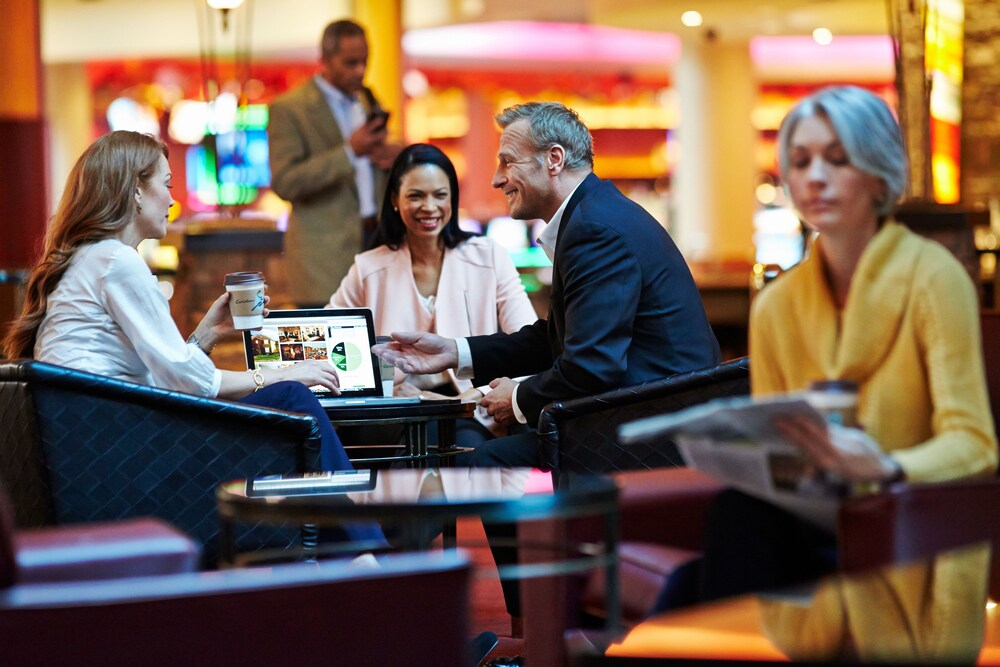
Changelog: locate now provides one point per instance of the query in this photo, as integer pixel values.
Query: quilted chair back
(580, 435)
(21, 467)
(97, 449)
(8, 558)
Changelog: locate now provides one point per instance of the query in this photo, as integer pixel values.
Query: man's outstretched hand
(419, 352)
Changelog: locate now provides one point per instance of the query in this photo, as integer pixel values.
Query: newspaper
(734, 440)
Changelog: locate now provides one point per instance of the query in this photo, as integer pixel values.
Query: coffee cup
(836, 400)
(388, 370)
(246, 299)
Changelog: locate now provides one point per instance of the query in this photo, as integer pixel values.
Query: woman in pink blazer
(426, 274)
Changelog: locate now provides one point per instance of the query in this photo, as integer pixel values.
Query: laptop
(342, 336)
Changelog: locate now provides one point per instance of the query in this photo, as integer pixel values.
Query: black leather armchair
(662, 503)
(77, 447)
(580, 435)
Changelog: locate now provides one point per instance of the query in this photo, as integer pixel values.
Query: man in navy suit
(624, 308)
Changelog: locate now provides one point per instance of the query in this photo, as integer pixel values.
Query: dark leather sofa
(333, 613)
(78, 447)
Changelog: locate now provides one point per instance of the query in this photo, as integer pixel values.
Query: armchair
(77, 447)
(130, 548)
(125, 592)
(662, 503)
(918, 520)
(581, 435)
(333, 613)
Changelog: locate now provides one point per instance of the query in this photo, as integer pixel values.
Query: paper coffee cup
(246, 299)
(836, 400)
(387, 369)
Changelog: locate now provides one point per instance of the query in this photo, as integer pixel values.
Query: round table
(433, 497)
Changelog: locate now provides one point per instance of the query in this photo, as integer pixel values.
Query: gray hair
(552, 123)
(866, 129)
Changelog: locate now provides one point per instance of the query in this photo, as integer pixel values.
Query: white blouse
(107, 316)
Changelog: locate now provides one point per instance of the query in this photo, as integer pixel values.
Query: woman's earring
(138, 208)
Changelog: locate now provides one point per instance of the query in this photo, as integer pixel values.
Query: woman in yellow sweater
(874, 304)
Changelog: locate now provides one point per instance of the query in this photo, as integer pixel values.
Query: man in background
(329, 158)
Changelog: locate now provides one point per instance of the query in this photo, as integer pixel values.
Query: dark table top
(422, 411)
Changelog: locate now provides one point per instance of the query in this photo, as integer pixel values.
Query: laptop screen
(343, 337)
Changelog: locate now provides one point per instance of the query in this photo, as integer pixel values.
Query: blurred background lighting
(766, 193)
(126, 114)
(822, 36)
(691, 19)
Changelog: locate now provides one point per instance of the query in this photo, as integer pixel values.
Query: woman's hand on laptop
(419, 352)
(311, 373)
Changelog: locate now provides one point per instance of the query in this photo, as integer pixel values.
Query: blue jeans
(296, 397)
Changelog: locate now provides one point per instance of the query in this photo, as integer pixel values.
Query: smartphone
(379, 113)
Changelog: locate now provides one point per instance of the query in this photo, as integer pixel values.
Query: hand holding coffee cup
(246, 299)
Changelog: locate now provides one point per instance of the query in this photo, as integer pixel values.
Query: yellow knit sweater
(909, 336)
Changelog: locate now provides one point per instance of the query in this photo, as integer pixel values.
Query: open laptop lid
(342, 336)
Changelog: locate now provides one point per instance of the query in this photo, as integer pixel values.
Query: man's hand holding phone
(371, 135)
(378, 114)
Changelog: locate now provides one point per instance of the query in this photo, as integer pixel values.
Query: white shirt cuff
(216, 384)
(464, 370)
(518, 415)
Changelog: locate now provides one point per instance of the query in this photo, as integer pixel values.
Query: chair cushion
(114, 550)
(643, 569)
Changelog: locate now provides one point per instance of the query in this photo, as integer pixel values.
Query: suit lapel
(588, 184)
(557, 312)
(324, 122)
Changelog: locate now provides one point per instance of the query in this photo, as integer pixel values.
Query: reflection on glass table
(413, 505)
(929, 611)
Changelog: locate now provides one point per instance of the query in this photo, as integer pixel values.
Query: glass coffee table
(413, 505)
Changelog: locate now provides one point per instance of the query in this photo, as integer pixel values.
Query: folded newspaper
(734, 440)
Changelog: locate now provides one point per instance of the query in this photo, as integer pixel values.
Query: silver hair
(866, 129)
(552, 123)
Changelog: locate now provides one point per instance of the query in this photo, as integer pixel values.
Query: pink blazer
(479, 293)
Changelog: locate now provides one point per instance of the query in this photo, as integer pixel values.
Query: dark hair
(335, 32)
(391, 230)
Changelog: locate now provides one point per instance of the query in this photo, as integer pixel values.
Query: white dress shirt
(107, 316)
(350, 115)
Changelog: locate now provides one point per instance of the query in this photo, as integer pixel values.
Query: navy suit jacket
(624, 309)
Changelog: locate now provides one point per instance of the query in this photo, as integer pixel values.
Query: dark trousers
(520, 450)
(296, 397)
(750, 546)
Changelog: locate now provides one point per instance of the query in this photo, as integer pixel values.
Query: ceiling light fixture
(224, 6)
(691, 19)
(822, 36)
